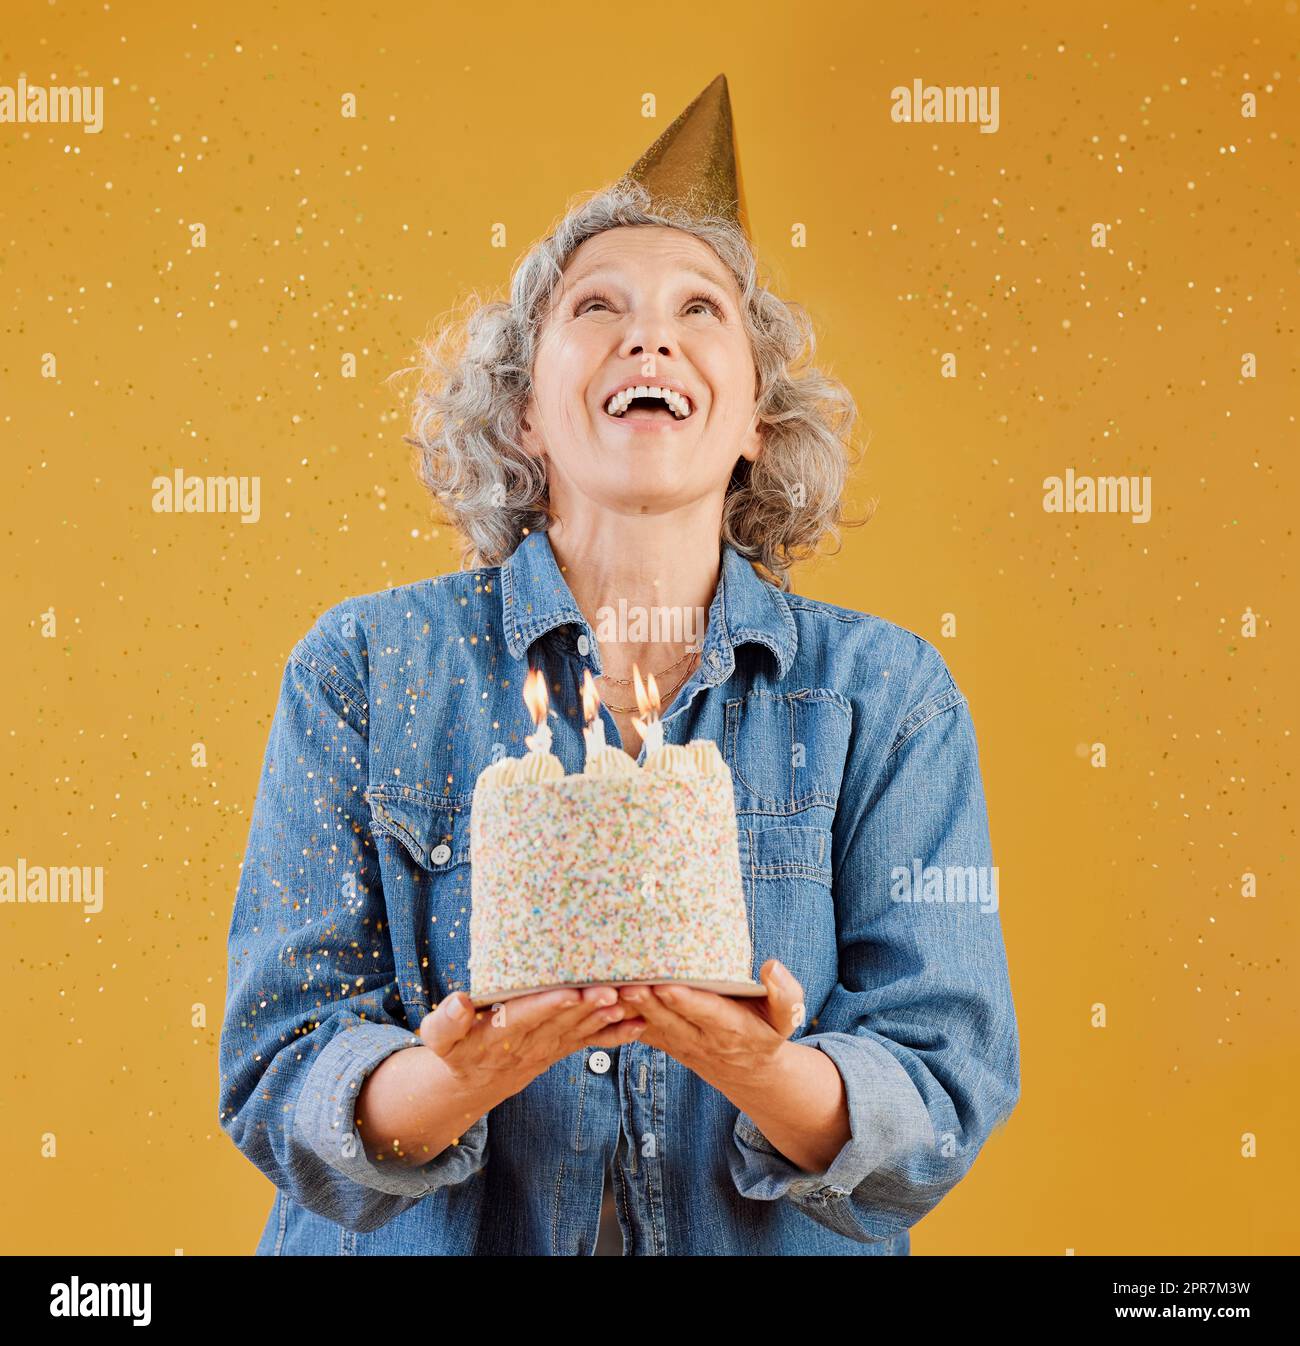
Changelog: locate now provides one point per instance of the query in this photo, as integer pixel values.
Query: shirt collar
(746, 609)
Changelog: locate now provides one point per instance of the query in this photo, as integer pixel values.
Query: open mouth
(649, 403)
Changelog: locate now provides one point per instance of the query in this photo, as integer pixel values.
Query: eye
(709, 300)
(589, 299)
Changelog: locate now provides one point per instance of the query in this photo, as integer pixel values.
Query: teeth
(680, 406)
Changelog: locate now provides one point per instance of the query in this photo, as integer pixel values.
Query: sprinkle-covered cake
(622, 874)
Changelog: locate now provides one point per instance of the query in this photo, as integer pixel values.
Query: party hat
(694, 163)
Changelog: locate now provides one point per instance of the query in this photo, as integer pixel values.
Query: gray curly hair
(475, 377)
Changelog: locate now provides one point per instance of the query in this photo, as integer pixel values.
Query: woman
(826, 1118)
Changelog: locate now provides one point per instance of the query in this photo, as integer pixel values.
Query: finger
(642, 1000)
(784, 1007)
(638, 1000)
(612, 1034)
(636, 994)
(606, 1017)
(619, 1035)
(591, 1003)
(553, 1030)
(578, 1000)
(446, 1025)
(667, 1022)
(707, 1010)
(528, 1013)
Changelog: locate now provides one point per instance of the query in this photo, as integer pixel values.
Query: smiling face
(651, 306)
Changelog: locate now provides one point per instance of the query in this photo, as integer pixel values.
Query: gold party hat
(694, 163)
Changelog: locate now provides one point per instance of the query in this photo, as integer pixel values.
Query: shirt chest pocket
(424, 860)
(786, 750)
(787, 876)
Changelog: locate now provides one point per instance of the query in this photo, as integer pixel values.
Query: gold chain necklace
(627, 682)
(664, 696)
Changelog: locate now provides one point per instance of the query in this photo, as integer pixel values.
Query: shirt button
(584, 645)
(598, 1062)
(440, 855)
(715, 660)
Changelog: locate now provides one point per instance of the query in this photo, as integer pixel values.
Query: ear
(530, 439)
(751, 442)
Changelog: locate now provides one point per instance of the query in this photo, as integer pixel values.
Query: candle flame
(647, 698)
(590, 697)
(535, 697)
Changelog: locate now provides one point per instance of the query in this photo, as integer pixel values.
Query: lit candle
(538, 703)
(538, 763)
(602, 759)
(594, 734)
(649, 726)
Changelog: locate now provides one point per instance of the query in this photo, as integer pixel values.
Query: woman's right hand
(496, 1053)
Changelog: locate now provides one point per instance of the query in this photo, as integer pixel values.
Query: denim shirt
(867, 870)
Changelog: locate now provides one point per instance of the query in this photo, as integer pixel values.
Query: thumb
(785, 1007)
(448, 1023)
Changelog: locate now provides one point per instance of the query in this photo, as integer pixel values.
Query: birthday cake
(623, 874)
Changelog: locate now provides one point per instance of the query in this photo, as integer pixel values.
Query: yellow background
(1119, 885)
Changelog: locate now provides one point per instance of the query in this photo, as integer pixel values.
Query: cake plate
(739, 989)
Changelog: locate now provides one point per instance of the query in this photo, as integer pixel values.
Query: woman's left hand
(718, 1037)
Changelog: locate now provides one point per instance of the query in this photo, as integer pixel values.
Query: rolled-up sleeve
(324, 1122)
(312, 1001)
(921, 1023)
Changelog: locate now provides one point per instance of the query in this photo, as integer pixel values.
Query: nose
(648, 332)
(634, 348)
